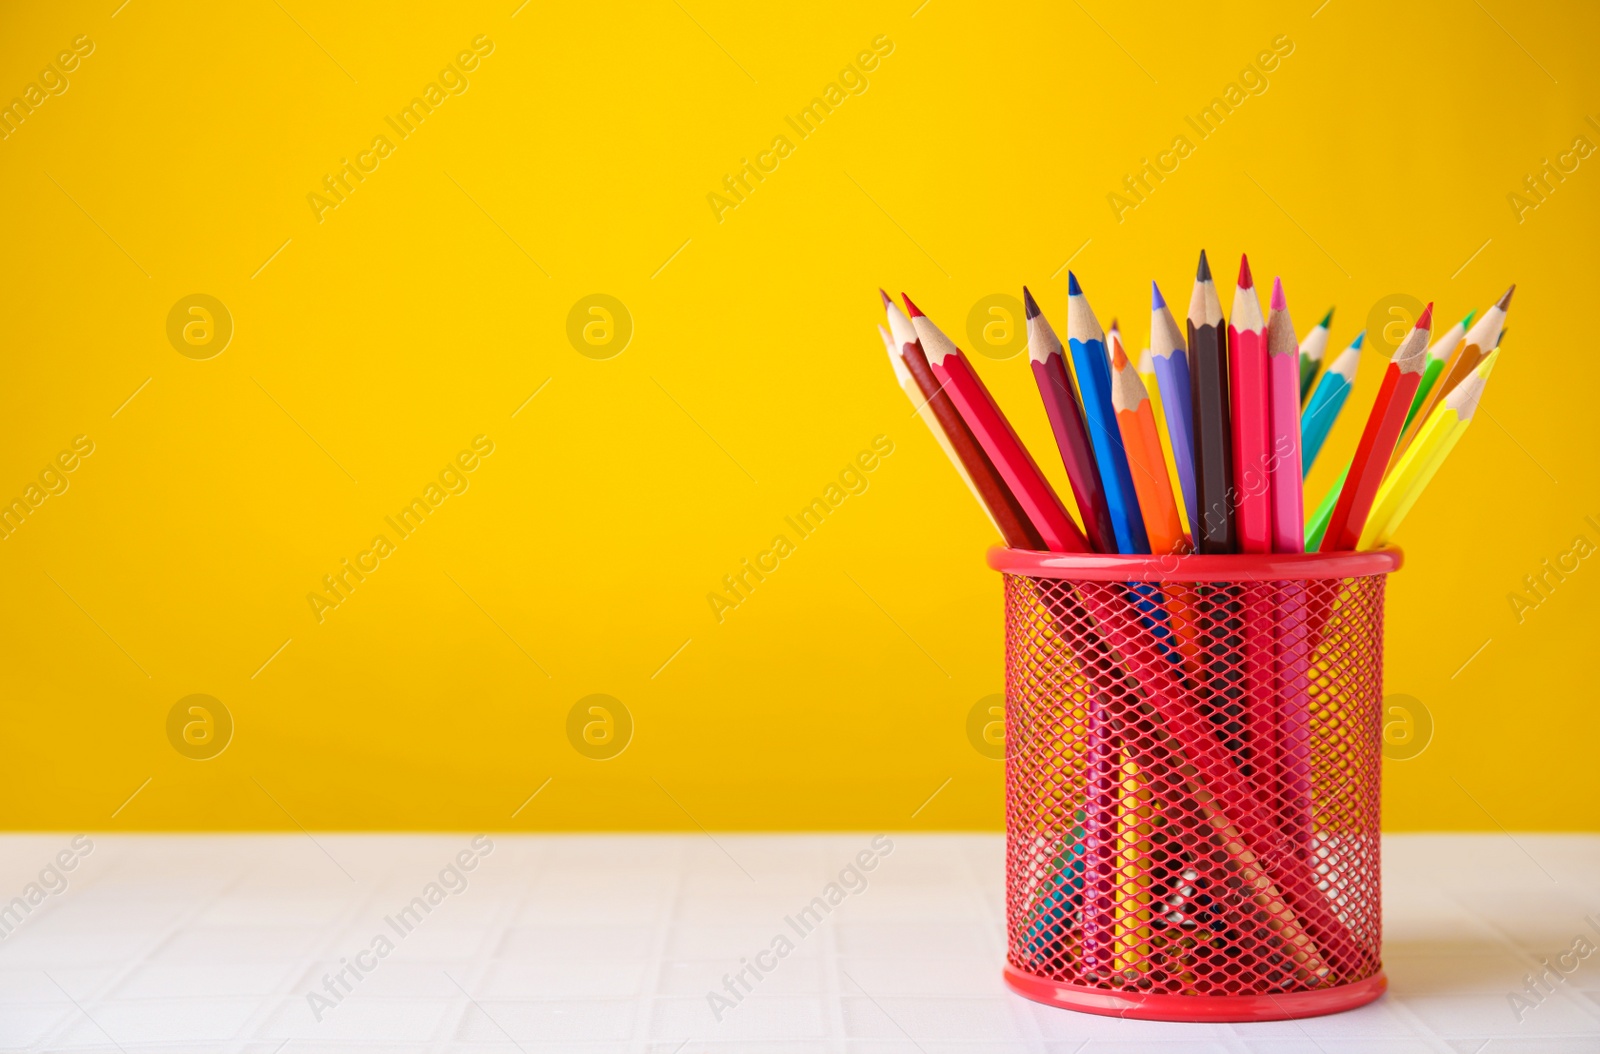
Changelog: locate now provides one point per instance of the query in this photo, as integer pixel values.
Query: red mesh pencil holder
(1192, 782)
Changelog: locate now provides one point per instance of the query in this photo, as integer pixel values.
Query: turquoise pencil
(1326, 401)
(1088, 343)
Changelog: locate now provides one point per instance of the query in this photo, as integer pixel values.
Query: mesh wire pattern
(1192, 783)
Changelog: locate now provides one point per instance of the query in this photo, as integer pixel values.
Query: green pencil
(1311, 350)
(1318, 524)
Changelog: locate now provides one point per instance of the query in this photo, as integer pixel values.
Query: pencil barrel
(1192, 782)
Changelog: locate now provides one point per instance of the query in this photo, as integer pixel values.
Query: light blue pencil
(1326, 401)
(1088, 343)
(1172, 376)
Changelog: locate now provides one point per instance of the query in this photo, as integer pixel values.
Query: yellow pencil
(1439, 435)
(1130, 895)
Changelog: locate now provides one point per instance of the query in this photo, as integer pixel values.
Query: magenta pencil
(1283, 412)
(1247, 390)
(1291, 649)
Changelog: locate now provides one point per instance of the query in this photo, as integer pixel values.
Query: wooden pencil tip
(1360, 337)
(1119, 358)
(1326, 319)
(1156, 300)
(1204, 273)
(1114, 327)
(1426, 321)
(886, 300)
(1466, 323)
(1029, 304)
(1278, 302)
(911, 309)
(1245, 280)
(1505, 301)
(1487, 365)
(1074, 289)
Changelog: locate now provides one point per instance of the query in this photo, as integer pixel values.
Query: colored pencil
(993, 494)
(1481, 339)
(1087, 341)
(1213, 432)
(1283, 414)
(1152, 388)
(1171, 363)
(995, 434)
(1311, 352)
(1433, 366)
(1147, 374)
(1422, 459)
(1137, 424)
(1252, 429)
(1378, 439)
(1130, 929)
(1322, 411)
(1066, 422)
(1317, 526)
(908, 384)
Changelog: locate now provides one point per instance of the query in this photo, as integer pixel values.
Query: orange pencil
(1137, 423)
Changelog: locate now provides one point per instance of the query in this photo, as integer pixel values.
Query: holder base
(1196, 1008)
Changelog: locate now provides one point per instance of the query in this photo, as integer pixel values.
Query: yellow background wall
(373, 343)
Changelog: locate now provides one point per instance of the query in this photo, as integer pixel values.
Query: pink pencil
(1283, 399)
(1247, 388)
(1292, 651)
(994, 433)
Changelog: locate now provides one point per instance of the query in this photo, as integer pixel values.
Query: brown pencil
(1213, 442)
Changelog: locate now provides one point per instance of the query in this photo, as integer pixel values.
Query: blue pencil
(1172, 376)
(1088, 343)
(1326, 401)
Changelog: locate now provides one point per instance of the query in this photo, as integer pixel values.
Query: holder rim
(1196, 1008)
(1276, 567)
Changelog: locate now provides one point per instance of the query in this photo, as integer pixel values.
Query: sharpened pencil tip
(1119, 358)
(1114, 327)
(1486, 367)
(911, 309)
(886, 300)
(1245, 280)
(1426, 321)
(1073, 288)
(1326, 319)
(1360, 337)
(1204, 273)
(1505, 301)
(1278, 302)
(1466, 323)
(1029, 304)
(1156, 300)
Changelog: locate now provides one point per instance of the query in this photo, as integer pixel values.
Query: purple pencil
(1172, 376)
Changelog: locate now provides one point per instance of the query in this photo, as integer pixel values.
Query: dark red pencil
(1066, 421)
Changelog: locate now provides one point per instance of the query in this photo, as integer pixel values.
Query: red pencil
(1016, 466)
(1388, 416)
(1252, 427)
(1003, 508)
(1066, 421)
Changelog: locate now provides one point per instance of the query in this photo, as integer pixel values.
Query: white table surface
(606, 944)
